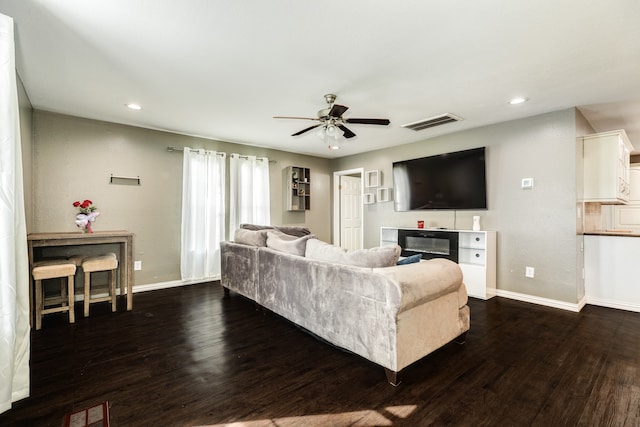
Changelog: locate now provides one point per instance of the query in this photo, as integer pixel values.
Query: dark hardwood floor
(187, 357)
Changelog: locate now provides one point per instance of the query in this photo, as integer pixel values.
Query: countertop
(613, 232)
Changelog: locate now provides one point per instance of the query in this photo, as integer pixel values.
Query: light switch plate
(527, 183)
(529, 272)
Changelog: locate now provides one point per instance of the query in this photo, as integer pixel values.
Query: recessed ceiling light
(133, 106)
(516, 101)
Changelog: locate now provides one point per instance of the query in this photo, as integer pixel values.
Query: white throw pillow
(382, 256)
(286, 243)
(251, 237)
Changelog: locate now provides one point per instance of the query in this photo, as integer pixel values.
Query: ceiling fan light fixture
(331, 123)
(329, 130)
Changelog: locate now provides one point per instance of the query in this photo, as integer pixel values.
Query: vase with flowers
(87, 213)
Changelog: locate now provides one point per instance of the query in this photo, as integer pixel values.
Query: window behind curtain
(203, 213)
(249, 188)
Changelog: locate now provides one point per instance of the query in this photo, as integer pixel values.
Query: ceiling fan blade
(337, 110)
(382, 122)
(300, 118)
(347, 132)
(306, 130)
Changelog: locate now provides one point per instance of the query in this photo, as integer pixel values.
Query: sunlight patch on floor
(357, 418)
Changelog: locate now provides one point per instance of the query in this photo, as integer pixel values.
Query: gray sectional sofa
(392, 315)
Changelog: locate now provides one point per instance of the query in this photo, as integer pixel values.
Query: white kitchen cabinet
(627, 217)
(606, 167)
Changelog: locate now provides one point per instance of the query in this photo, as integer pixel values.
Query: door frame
(336, 203)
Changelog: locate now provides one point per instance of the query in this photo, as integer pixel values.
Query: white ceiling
(221, 69)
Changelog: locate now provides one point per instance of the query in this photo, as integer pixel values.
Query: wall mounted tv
(447, 181)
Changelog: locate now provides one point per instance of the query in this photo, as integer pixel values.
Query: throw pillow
(382, 256)
(410, 259)
(251, 237)
(292, 230)
(323, 251)
(286, 243)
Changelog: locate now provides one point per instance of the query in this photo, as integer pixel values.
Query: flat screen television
(447, 181)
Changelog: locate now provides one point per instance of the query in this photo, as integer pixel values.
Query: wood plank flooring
(187, 357)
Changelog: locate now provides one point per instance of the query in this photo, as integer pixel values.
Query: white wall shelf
(384, 194)
(372, 178)
(369, 198)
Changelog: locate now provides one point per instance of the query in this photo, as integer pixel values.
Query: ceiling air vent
(442, 119)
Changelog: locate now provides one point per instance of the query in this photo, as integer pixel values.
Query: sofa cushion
(287, 243)
(410, 259)
(382, 256)
(291, 230)
(251, 237)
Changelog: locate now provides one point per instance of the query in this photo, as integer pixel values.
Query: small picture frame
(372, 178)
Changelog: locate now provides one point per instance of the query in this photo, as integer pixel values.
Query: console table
(476, 252)
(123, 238)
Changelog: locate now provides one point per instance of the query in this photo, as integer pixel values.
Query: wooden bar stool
(108, 263)
(60, 269)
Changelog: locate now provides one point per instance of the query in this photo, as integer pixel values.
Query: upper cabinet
(606, 167)
(627, 217)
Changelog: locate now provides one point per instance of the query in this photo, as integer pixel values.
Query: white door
(350, 212)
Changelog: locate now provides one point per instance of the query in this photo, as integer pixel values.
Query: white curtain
(249, 187)
(14, 269)
(203, 214)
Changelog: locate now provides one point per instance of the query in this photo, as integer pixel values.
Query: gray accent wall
(536, 227)
(75, 157)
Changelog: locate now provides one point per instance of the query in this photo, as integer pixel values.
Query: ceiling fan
(330, 119)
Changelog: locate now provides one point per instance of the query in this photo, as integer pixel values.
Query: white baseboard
(620, 305)
(171, 284)
(79, 296)
(542, 301)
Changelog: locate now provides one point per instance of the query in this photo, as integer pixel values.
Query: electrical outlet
(137, 265)
(529, 272)
(527, 183)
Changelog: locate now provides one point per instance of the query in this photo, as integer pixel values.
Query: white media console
(475, 252)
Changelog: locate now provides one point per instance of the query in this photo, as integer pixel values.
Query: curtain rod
(246, 157)
(180, 150)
